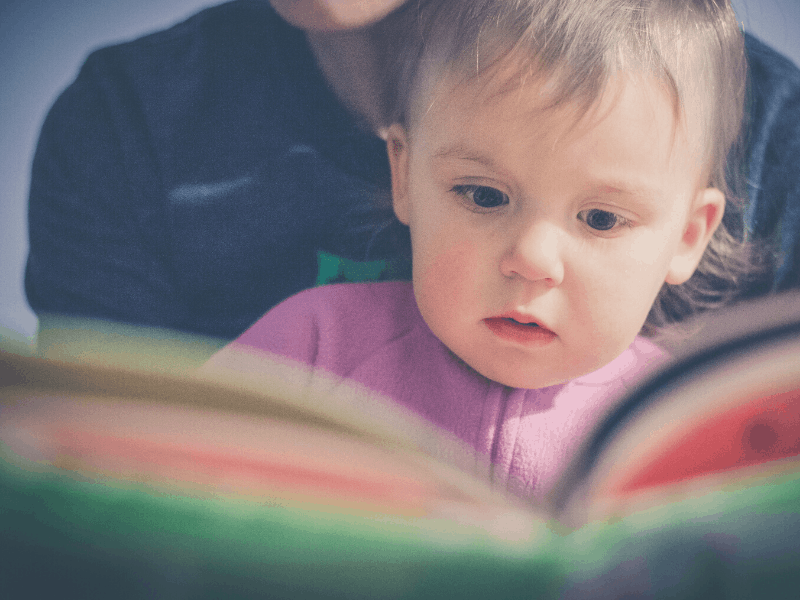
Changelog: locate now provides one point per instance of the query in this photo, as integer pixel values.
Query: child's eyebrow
(462, 153)
(623, 188)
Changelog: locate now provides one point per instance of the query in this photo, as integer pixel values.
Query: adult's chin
(333, 15)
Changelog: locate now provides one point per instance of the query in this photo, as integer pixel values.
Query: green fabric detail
(335, 269)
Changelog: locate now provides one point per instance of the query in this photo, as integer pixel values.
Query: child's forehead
(514, 88)
(495, 117)
(524, 89)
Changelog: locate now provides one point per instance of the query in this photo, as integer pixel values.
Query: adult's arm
(96, 239)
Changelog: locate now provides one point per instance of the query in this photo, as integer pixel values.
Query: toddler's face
(521, 216)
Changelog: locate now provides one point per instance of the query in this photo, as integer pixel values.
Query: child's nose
(535, 255)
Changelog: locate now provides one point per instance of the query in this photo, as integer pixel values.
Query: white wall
(44, 42)
(777, 22)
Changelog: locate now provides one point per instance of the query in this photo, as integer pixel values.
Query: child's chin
(536, 384)
(525, 381)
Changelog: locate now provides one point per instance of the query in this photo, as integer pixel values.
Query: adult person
(196, 177)
(189, 179)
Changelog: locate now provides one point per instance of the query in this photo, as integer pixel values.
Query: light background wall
(44, 42)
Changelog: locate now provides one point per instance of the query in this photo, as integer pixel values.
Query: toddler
(560, 165)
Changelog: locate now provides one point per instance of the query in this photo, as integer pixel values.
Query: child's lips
(514, 330)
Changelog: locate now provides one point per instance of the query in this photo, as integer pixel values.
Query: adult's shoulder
(766, 63)
(773, 157)
(774, 82)
(240, 53)
(232, 29)
(215, 85)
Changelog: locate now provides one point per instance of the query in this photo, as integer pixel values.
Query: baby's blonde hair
(695, 47)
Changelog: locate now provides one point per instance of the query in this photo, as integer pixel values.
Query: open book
(132, 483)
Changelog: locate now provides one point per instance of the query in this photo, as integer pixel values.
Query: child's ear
(703, 220)
(397, 147)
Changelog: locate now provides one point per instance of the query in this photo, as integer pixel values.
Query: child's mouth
(520, 322)
(529, 334)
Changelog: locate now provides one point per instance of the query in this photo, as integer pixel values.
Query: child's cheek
(447, 282)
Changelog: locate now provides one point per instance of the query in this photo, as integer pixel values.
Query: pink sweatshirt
(374, 335)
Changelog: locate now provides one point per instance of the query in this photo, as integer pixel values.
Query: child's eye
(601, 220)
(482, 196)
